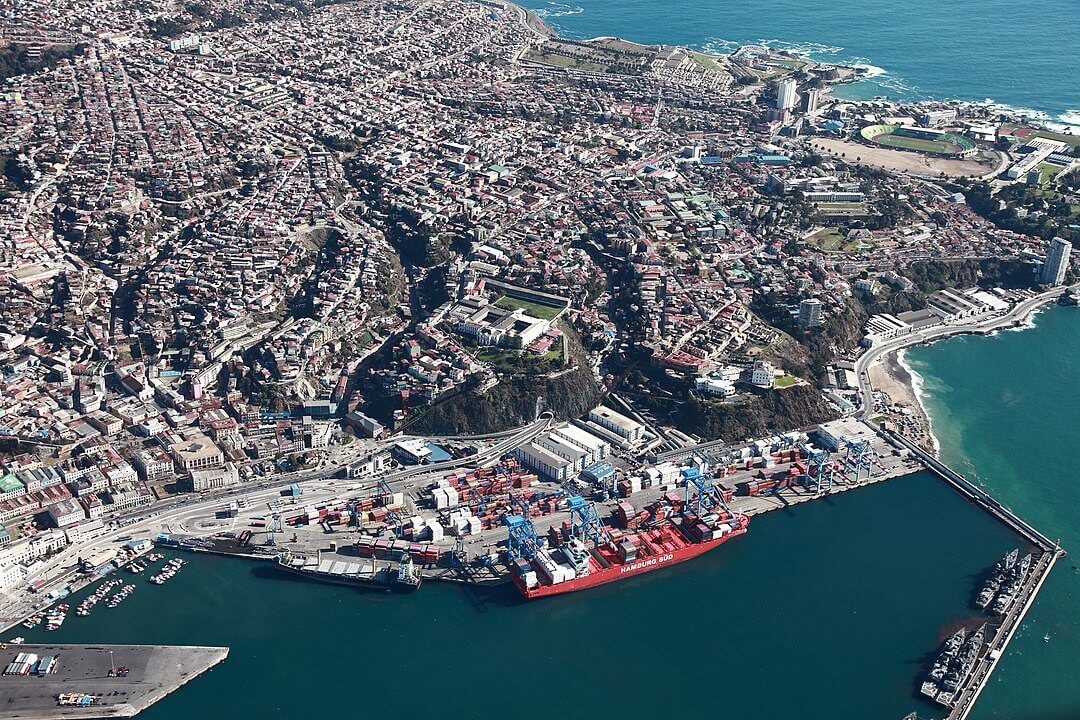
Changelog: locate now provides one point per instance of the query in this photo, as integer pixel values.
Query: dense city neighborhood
(240, 240)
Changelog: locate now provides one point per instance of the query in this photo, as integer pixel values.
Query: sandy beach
(898, 402)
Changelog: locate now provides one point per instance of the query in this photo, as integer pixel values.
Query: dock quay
(90, 677)
(963, 700)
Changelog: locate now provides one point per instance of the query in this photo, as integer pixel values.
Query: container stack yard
(458, 525)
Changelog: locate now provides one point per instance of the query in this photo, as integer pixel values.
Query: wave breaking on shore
(918, 390)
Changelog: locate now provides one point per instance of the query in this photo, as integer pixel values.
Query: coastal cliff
(764, 412)
(511, 403)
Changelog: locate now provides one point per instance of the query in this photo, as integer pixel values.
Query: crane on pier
(819, 468)
(858, 458)
(459, 557)
(383, 492)
(522, 543)
(585, 524)
(274, 526)
(708, 496)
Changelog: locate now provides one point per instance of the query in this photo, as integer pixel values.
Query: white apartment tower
(786, 95)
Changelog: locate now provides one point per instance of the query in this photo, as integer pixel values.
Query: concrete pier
(153, 671)
(1003, 629)
(968, 692)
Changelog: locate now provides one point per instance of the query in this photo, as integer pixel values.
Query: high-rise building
(810, 313)
(786, 94)
(1057, 262)
(811, 100)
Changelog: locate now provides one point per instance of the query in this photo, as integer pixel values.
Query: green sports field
(946, 145)
(543, 312)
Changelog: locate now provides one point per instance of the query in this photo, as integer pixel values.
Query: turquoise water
(1006, 410)
(825, 611)
(1020, 54)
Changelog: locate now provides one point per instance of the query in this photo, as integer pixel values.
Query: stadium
(931, 142)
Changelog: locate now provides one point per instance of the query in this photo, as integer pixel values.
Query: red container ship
(673, 534)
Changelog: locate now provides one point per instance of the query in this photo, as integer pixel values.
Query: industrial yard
(99, 681)
(465, 525)
(454, 523)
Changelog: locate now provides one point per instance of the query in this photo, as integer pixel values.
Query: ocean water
(826, 611)
(1006, 410)
(1023, 55)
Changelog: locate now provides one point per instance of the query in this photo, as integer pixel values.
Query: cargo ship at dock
(400, 577)
(584, 552)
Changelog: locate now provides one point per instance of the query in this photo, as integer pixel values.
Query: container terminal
(476, 525)
(42, 682)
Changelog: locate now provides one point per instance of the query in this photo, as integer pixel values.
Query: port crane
(522, 543)
(394, 518)
(458, 559)
(383, 491)
(585, 524)
(708, 496)
(858, 458)
(274, 526)
(819, 467)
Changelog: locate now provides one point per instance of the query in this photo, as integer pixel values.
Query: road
(982, 325)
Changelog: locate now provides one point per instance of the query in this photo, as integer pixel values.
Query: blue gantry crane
(523, 543)
(585, 524)
(819, 468)
(708, 496)
(858, 458)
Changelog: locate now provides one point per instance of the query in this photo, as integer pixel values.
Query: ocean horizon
(919, 50)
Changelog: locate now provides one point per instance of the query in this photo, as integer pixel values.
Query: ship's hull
(351, 580)
(623, 571)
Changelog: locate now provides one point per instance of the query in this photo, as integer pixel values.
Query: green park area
(1048, 171)
(833, 239)
(1071, 140)
(841, 208)
(512, 362)
(936, 147)
(537, 310)
(785, 381)
(706, 61)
